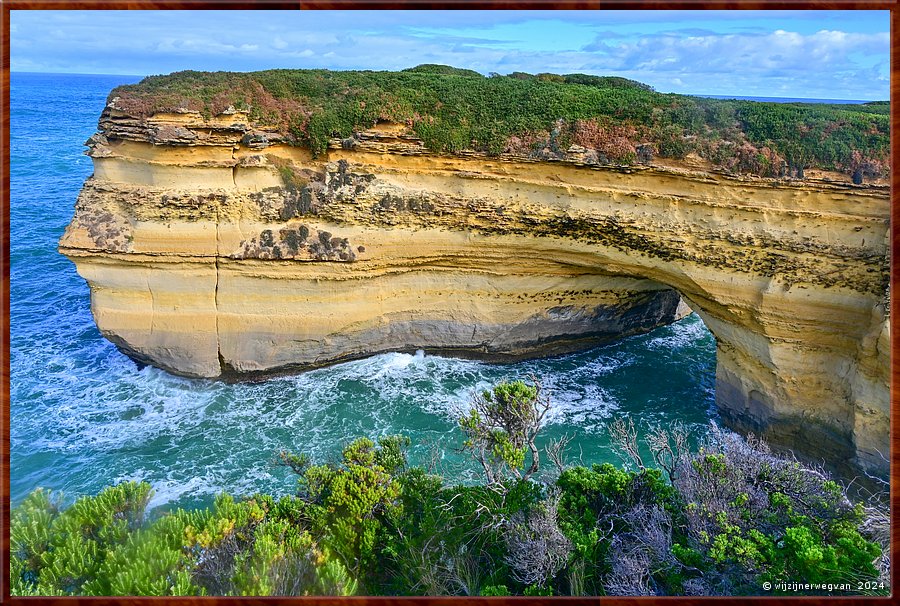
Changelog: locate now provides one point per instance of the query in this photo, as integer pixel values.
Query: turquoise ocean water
(83, 416)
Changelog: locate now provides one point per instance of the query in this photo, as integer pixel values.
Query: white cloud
(781, 51)
(816, 64)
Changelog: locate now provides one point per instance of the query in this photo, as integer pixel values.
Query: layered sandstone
(213, 248)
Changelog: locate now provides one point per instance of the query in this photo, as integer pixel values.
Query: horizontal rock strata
(213, 248)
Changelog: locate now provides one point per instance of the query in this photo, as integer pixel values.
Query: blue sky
(812, 54)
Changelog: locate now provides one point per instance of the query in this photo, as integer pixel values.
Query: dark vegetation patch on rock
(296, 242)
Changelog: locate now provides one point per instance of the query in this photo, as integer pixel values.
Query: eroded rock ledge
(212, 247)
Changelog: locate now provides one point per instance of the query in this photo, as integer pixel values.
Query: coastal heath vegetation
(728, 517)
(610, 120)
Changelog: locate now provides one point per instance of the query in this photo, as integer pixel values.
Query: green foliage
(349, 502)
(322, 126)
(429, 540)
(587, 494)
(820, 136)
(96, 547)
(391, 453)
(536, 590)
(605, 81)
(103, 546)
(841, 556)
(446, 70)
(711, 465)
(751, 517)
(298, 463)
(454, 109)
(687, 556)
(501, 427)
(495, 590)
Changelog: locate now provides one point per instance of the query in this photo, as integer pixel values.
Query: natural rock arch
(204, 257)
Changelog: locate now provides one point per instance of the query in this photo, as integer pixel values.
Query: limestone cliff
(211, 247)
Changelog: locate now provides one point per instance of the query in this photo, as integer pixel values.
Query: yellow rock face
(213, 249)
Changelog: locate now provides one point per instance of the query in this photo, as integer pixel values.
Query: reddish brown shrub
(525, 143)
(615, 141)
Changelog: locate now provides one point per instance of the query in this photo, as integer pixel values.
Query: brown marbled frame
(7, 5)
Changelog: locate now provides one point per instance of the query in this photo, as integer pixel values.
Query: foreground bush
(103, 546)
(725, 519)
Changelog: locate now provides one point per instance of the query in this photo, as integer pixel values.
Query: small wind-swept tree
(501, 429)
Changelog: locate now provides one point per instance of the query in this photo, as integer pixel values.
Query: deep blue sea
(787, 99)
(84, 416)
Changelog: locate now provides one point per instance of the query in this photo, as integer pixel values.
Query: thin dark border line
(8, 5)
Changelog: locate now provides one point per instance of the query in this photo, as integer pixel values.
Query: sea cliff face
(214, 248)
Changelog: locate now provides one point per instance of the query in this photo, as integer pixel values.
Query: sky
(806, 54)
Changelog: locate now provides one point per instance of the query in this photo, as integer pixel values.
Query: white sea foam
(686, 332)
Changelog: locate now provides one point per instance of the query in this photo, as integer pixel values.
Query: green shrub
(349, 502)
(495, 590)
(98, 546)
